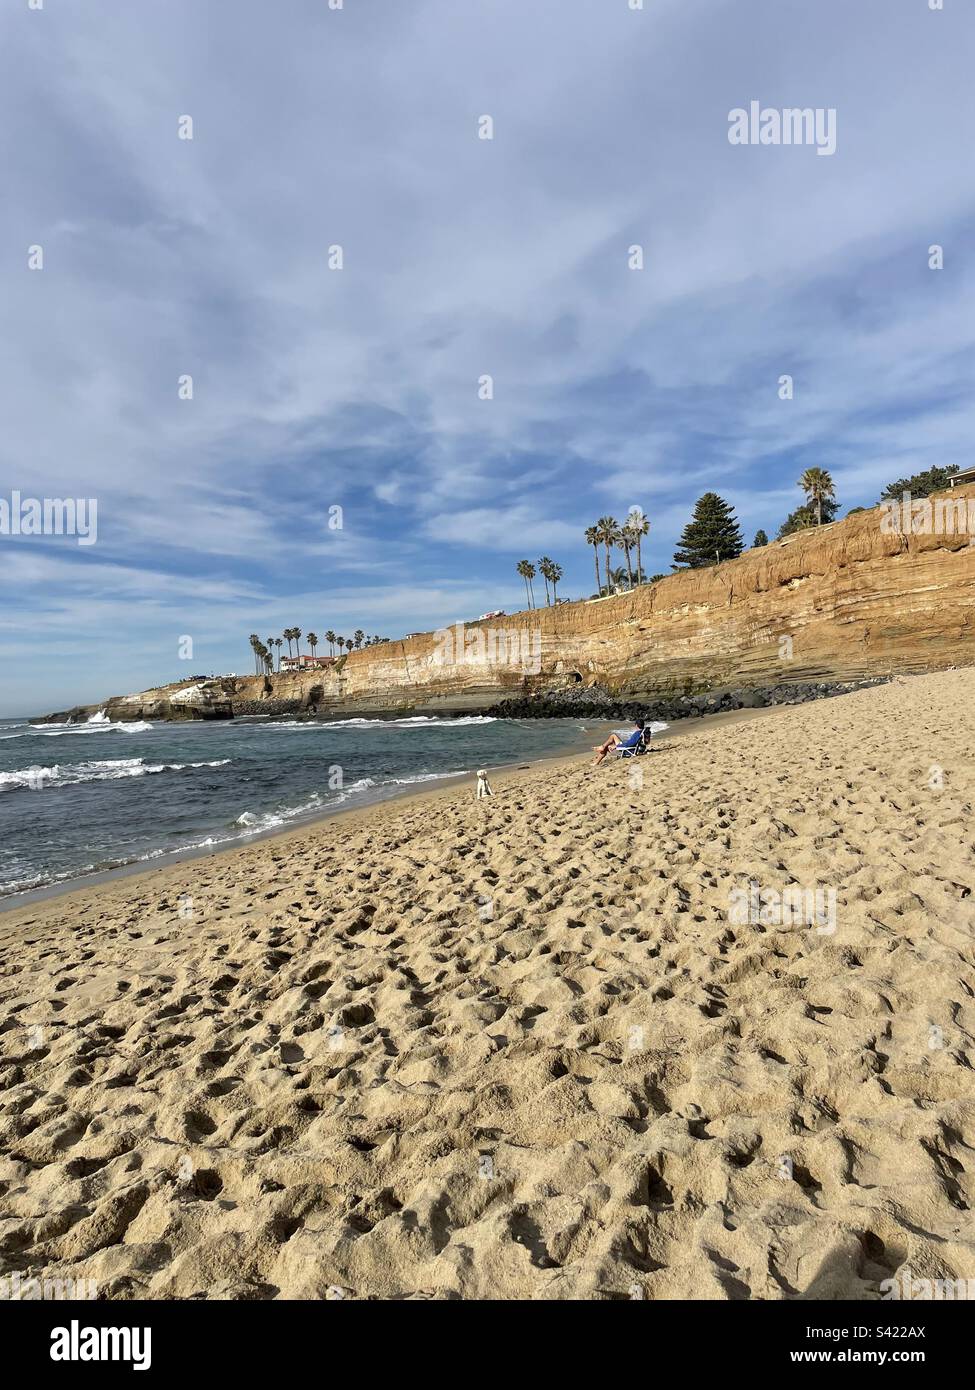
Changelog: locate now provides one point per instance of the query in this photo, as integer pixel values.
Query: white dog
(483, 785)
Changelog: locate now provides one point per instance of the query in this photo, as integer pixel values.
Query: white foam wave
(106, 770)
(413, 722)
(428, 777)
(251, 822)
(91, 726)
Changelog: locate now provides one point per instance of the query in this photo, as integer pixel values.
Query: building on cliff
(307, 663)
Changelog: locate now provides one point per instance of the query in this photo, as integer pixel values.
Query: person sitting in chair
(622, 738)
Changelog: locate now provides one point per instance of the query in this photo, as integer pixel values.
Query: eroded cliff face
(841, 602)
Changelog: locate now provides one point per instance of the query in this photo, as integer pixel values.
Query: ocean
(77, 799)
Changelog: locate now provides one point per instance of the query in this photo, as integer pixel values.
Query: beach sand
(525, 1048)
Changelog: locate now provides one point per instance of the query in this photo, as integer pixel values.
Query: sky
(462, 258)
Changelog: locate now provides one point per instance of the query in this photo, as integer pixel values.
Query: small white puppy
(483, 785)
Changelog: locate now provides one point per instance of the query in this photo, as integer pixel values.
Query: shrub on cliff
(805, 516)
(921, 484)
(712, 534)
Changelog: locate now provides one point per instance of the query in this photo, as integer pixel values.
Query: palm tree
(555, 574)
(297, 636)
(638, 526)
(255, 642)
(330, 639)
(313, 641)
(349, 644)
(545, 569)
(625, 540)
(817, 484)
(358, 635)
(527, 571)
(608, 527)
(592, 538)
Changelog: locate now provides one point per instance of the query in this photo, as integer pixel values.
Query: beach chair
(637, 747)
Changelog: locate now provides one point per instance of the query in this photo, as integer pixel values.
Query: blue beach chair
(637, 744)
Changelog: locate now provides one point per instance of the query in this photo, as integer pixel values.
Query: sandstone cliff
(840, 602)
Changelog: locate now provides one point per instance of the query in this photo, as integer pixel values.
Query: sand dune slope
(525, 1049)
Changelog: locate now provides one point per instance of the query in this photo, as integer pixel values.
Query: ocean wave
(428, 777)
(419, 721)
(253, 822)
(100, 726)
(106, 770)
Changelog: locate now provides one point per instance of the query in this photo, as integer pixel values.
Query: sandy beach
(538, 1047)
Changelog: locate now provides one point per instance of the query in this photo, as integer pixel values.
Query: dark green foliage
(806, 516)
(711, 535)
(921, 484)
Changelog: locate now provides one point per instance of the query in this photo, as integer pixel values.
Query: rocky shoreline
(595, 702)
(592, 702)
(598, 703)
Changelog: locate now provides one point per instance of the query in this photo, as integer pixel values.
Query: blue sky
(313, 388)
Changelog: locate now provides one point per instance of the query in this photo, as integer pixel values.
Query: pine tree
(712, 535)
(760, 539)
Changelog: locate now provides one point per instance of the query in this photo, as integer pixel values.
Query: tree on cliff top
(637, 525)
(760, 539)
(527, 571)
(817, 484)
(608, 528)
(592, 538)
(921, 484)
(712, 534)
(805, 516)
(545, 570)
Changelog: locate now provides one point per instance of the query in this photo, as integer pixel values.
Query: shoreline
(443, 783)
(501, 773)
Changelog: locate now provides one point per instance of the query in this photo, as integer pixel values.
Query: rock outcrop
(198, 698)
